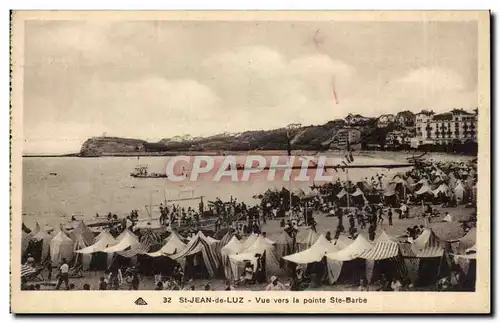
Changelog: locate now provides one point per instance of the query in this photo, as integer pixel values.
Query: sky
(158, 79)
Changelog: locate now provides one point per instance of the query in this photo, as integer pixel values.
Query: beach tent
(424, 259)
(83, 231)
(284, 244)
(384, 248)
(452, 180)
(351, 251)
(460, 246)
(39, 246)
(25, 240)
(427, 245)
(250, 240)
(127, 245)
(384, 258)
(101, 242)
(61, 246)
(347, 260)
(468, 264)
(80, 259)
(233, 247)
(260, 248)
(315, 253)
(459, 191)
(146, 242)
(173, 245)
(199, 248)
(442, 189)
(342, 193)
(391, 198)
(305, 239)
(358, 197)
(425, 189)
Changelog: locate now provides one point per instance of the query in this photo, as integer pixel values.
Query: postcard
(250, 162)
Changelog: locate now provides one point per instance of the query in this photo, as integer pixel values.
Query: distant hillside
(311, 138)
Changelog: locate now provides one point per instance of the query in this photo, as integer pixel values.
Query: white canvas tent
(459, 191)
(259, 247)
(306, 238)
(442, 189)
(315, 253)
(233, 247)
(61, 246)
(172, 246)
(125, 240)
(352, 251)
(426, 188)
(335, 260)
(101, 242)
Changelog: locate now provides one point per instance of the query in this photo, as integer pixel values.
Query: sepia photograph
(341, 155)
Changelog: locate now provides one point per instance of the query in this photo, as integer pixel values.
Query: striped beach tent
(384, 248)
(27, 270)
(427, 245)
(146, 242)
(199, 243)
(384, 256)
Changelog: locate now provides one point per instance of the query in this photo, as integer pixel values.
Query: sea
(57, 188)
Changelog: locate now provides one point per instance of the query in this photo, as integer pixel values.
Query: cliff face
(98, 146)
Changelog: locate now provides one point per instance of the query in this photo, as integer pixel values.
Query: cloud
(262, 80)
(157, 79)
(433, 79)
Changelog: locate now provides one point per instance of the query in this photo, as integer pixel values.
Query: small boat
(142, 172)
(53, 174)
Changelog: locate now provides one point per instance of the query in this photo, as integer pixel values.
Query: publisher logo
(140, 301)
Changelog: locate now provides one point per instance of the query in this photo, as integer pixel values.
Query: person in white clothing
(63, 275)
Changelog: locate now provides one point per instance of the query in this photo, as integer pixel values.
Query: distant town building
(384, 120)
(356, 120)
(405, 119)
(398, 138)
(344, 136)
(456, 126)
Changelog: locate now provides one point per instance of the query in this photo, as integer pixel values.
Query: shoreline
(397, 155)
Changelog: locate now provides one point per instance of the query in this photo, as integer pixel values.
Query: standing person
(371, 232)
(63, 275)
(380, 216)
(49, 269)
(389, 216)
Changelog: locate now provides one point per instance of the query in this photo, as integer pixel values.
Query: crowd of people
(354, 211)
